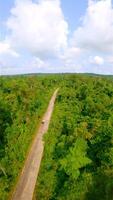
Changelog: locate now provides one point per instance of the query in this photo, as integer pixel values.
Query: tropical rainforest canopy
(78, 156)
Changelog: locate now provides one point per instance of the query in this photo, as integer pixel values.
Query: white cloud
(71, 53)
(96, 31)
(36, 63)
(96, 60)
(39, 27)
(70, 57)
(7, 54)
(5, 48)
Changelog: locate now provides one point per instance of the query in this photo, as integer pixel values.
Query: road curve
(26, 184)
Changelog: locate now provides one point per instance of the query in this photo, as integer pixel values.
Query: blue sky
(56, 36)
(73, 10)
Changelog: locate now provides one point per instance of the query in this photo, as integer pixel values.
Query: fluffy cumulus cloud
(92, 41)
(97, 60)
(6, 55)
(5, 48)
(96, 31)
(39, 27)
(37, 63)
(70, 55)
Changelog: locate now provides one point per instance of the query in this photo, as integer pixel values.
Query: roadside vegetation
(78, 157)
(23, 100)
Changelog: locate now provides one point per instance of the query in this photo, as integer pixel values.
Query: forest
(78, 156)
(23, 100)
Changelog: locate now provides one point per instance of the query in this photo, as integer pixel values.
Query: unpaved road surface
(26, 184)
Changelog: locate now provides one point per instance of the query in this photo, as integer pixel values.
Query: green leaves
(76, 159)
(23, 100)
(79, 145)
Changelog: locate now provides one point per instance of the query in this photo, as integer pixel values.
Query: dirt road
(26, 184)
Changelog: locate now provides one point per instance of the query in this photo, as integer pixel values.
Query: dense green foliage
(78, 157)
(23, 100)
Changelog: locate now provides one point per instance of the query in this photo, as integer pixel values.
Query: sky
(56, 36)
